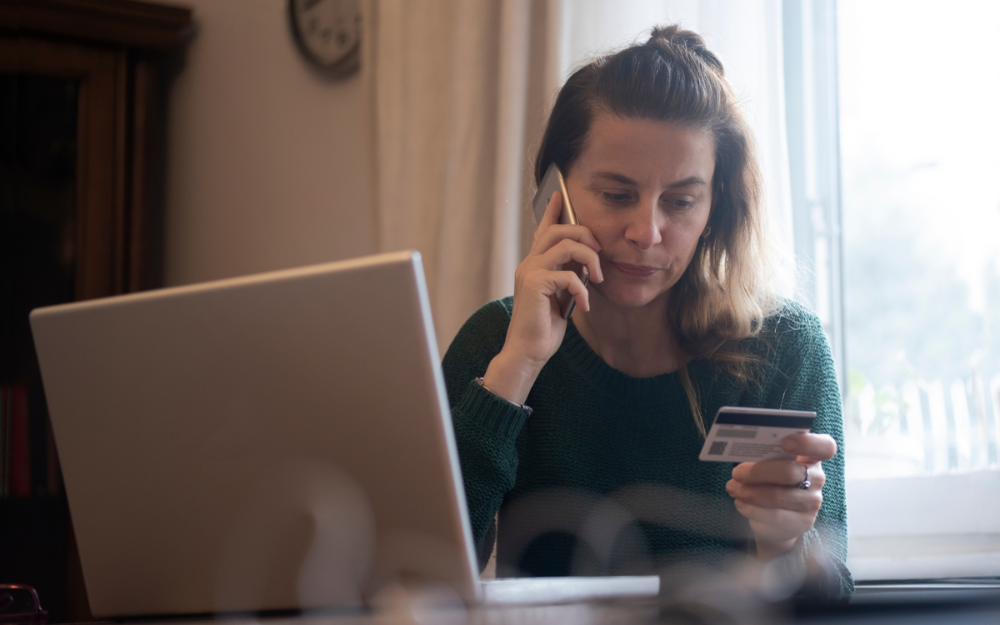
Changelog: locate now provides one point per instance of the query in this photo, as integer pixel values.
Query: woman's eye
(617, 198)
(680, 203)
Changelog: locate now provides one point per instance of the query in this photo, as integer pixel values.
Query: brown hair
(722, 297)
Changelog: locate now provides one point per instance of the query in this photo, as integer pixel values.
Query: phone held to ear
(553, 181)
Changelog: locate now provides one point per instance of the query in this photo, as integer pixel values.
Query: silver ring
(805, 483)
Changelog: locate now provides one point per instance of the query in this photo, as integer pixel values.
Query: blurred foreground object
(19, 605)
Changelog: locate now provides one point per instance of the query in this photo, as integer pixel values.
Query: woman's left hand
(768, 493)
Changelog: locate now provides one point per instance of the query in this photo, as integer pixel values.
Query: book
(17, 443)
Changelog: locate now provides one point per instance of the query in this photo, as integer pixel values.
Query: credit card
(752, 434)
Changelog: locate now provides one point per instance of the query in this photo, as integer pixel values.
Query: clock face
(328, 31)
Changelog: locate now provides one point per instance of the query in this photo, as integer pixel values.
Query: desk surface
(644, 612)
(569, 614)
(910, 604)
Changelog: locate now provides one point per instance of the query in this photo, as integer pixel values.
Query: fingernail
(789, 446)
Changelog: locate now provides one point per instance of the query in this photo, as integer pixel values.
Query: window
(921, 246)
(880, 144)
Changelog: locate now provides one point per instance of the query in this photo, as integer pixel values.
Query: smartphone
(553, 181)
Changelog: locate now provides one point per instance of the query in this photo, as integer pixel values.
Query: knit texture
(604, 477)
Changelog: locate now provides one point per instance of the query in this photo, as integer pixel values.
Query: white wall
(269, 165)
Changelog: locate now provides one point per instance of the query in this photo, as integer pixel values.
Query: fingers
(571, 282)
(812, 447)
(552, 235)
(550, 231)
(775, 523)
(569, 249)
(768, 496)
(775, 529)
(779, 473)
(556, 244)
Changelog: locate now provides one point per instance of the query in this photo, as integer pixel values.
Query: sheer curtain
(461, 91)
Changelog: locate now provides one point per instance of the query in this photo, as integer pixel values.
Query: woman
(677, 321)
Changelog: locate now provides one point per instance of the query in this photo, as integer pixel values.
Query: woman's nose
(643, 229)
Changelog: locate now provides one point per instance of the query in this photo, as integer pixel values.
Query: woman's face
(644, 188)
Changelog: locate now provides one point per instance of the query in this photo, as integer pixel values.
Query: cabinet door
(99, 241)
(73, 124)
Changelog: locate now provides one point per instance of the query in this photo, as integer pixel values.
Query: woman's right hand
(536, 326)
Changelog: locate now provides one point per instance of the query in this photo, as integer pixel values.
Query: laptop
(273, 442)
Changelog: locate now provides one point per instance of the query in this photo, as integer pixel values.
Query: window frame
(809, 30)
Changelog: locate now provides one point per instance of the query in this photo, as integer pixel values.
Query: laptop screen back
(271, 442)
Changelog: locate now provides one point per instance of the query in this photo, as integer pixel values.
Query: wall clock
(328, 33)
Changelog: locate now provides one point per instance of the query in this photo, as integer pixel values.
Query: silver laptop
(272, 442)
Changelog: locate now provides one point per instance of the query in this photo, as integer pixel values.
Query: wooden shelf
(126, 22)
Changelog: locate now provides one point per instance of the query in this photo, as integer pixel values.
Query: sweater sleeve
(805, 379)
(486, 426)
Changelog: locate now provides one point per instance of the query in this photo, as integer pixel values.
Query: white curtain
(460, 92)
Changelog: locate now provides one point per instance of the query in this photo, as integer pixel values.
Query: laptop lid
(269, 442)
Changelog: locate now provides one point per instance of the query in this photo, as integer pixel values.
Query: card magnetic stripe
(764, 420)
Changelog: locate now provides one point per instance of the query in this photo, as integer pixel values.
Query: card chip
(717, 449)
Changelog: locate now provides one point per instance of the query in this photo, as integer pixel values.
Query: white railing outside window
(924, 427)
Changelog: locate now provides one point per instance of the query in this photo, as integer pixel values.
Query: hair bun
(674, 35)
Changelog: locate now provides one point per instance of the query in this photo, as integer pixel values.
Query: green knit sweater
(604, 477)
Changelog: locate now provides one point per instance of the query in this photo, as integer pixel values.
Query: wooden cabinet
(83, 86)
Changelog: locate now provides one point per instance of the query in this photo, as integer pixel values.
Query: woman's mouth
(634, 271)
